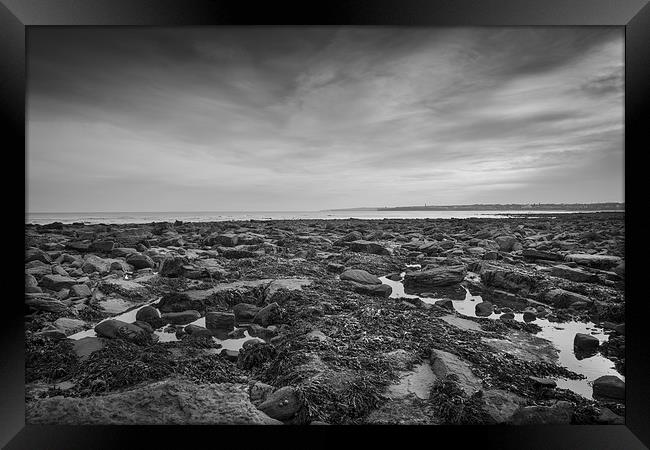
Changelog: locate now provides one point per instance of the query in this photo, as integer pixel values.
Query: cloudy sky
(254, 118)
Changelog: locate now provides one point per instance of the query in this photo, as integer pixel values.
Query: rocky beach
(515, 320)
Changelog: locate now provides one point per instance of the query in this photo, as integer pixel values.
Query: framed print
(382, 218)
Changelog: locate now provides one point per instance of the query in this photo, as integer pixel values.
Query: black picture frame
(16, 16)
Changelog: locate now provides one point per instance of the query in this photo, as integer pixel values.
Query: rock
(446, 304)
(378, 290)
(529, 316)
(267, 315)
(181, 318)
(509, 280)
(30, 281)
(335, 267)
(484, 309)
(239, 252)
(84, 347)
(542, 382)
(140, 261)
(114, 329)
(245, 312)
(57, 282)
(444, 363)
(36, 254)
(620, 269)
(532, 254)
(585, 342)
(123, 252)
(501, 405)
(168, 402)
(609, 387)
(126, 288)
(93, 263)
(367, 247)
(598, 261)
(51, 334)
(608, 417)
(360, 276)
(577, 275)
(219, 321)
(225, 240)
(69, 326)
(506, 243)
(561, 298)
(173, 267)
(282, 404)
(81, 290)
(259, 392)
(144, 325)
(620, 328)
(558, 414)
(196, 330)
(102, 246)
(439, 276)
(507, 316)
(77, 246)
(46, 304)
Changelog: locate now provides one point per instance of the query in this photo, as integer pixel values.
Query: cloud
(321, 117)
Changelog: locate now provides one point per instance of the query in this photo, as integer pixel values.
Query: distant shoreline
(595, 207)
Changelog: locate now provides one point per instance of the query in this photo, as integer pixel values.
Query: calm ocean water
(215, 216)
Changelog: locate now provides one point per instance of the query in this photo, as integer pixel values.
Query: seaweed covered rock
(169, 402)
(116, 329)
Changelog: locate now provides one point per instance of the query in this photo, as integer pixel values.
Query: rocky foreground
(324, 342)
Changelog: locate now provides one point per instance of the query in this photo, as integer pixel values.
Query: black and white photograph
(325, 225)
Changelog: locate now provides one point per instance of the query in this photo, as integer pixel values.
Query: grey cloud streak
(291, 118)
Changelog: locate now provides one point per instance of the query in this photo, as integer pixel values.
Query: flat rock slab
(417, 382)
(126, 288)
(115, 305)
(599, 261)
(85, 346)
(445, 363)
(360, 276)
(169, 402)
(525, 346)
(463, 324)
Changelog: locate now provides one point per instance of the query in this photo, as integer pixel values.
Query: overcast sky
(253, 118)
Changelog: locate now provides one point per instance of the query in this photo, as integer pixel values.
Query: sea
(217, 216)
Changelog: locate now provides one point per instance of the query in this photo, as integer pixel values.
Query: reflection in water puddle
(560, 334)
(165, 336)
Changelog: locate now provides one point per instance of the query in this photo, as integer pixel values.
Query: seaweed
(48, 360)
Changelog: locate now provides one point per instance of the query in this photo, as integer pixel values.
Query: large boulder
(438, 276)
(444, 363)
(168, 402)
(173, 267)
(585, 342)
(609, 387)
(360, 276)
